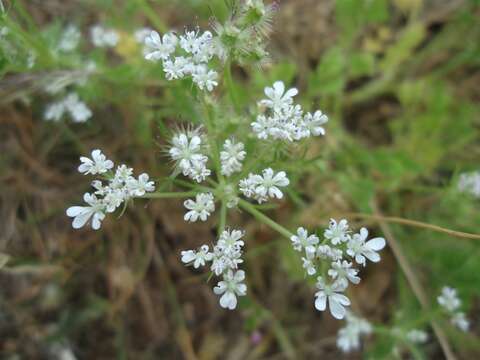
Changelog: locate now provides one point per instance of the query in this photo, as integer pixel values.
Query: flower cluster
(470, 183)
(71, 104)
(70, 39)
(334, 256)
(231, 157)
(201, 208)
(417, 336)
(225, 258)
(348, 337)
(284, 120)
(450, 302)
(106, 198)
(184, 55)
(102, 37)
(265, 186)
(186, 150)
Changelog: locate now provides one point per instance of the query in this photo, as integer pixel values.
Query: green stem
(223, 218)
(232, 92)
(264, 218)
(169, 195)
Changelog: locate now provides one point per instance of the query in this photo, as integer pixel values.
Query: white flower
(185, 151)
(248, 186)
(359, 249)
(417, 336)
(333, 294)
(262, 126)
(199, 258)
(349, 336)
(70, 39)
(77, 109)
(230, 241)
(449, 299)
(304, 241)
(140, 186)
(231, 287)
(270, 183)
(82, 214)
(54, 111)
(470, 183)
(231, 157)
(312, 124)
(99, 164)
(177, 68)
(337, 232)
(328, 252)
(102, 37)
(204, 78)
(343, 272)
(159, 47)
(201, 208)
(308, 263)
(459, 320)
(277, 97)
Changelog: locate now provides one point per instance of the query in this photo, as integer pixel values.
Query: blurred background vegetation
(399, 80)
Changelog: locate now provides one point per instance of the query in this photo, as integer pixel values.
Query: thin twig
(413, 281)
(399, 220)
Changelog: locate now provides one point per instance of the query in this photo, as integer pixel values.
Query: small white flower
(460, 320)
(54, 111)
(176, 68)
(304, 241)
(333, 294)
(77, 109)
(343, 272)
(204, 78)
(140, 186)
(82, 214)
(328, 252)
(308, 263)
(312, 124)
(185, 151)
(201, 208)
(231, 157)
(199, 258)
(337, 232)
(417, 336)
(277, 97)
(99, 164)
(198, 170)
(359, 249)
(70, 39)
(230, 241)
(449, 299)
(349, 336)
(262, 127)
(470, 183)
(102, 37)
(231, 287)
(159, 48)
(270, 183)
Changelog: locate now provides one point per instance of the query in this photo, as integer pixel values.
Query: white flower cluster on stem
(265, 186)
(72, 105)
(225, 258)
(450, 302)
(338, 250)
(186, 152)
(231, 157)
(186, 55)
(284, 120)
(348, 337)
(106, 198)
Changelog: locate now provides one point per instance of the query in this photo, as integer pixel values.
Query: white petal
(75, 210)
(81, 219)
(321, 302)
(336, 309)
(228, 300)
(376, 243)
